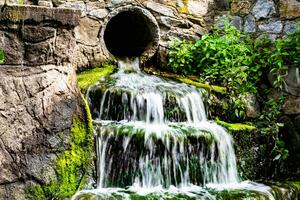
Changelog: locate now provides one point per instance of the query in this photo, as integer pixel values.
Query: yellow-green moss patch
(73, 166)
(214, 88)
(236, 126)
(187, 80)
(90, 77)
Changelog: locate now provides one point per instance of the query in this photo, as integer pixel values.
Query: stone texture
(289, 27)
(241, 6)
(198, 8)
(75, 5)
(39, 14)
(13, 48)
(271, 26)
(171, 22)
(237, 22)
(88, 56)
(98, 13)
(45, 3)
(36, 103)
(263, 9)
(249, 24)
(292, 105)
(160, 8)
(252, 106)
(37, 33)
(292, 81)
(87, 32)
(289, 9)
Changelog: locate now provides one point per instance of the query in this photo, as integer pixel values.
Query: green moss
(214, 88)
(73, 165)
(295, 184)
(90, 77)
(236, 126)
(190, 80)
(35, 192)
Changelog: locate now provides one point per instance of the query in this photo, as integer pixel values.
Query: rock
(249, 25)
(237, 22)
(263, 9)
(88, 56)
(87, 31)
(198, 8)
(39, 14)
(75, 5)
(37, 33)
(271, 26)
(33, 105)
(12, 47)
(252, 106)
(292, 80)
(160, 8)
(289, 27)
(39, 53)
(172, 22)
(289, 9)
(45, 3)
(241, 6)
(291, 105)
(98, 13)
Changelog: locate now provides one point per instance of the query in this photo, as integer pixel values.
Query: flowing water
(154, 140)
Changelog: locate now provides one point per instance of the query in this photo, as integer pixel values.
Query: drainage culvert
(131, 31)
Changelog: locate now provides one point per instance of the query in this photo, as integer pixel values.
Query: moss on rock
(90, 77)
(187, 80)
(236, 126)
(73, 166)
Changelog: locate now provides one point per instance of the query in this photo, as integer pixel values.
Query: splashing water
(153, 136)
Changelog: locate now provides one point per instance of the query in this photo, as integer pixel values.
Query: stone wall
(38, 94)
(274, 17)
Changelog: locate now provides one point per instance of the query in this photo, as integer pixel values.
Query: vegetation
(1, 56)
(72, 166)
(236, 126)
(234, 60)
(188, 80)
(89, 77)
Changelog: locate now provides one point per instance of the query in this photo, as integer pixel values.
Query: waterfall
(154, 135)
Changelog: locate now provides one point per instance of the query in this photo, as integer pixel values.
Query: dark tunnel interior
(128, 34)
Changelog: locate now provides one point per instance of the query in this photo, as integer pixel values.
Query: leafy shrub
(223, 57)
(278, 56)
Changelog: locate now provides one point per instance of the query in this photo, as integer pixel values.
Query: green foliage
(269, 124)
(181, 56)
(1, 56)
(279, 56)
(223, 57)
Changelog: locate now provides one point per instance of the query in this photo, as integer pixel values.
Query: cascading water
(153, 137)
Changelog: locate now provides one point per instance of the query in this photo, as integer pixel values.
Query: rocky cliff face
(39, 96)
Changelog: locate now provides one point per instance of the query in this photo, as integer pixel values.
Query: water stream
(154, 140)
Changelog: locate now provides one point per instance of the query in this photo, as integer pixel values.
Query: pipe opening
(131, 33)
